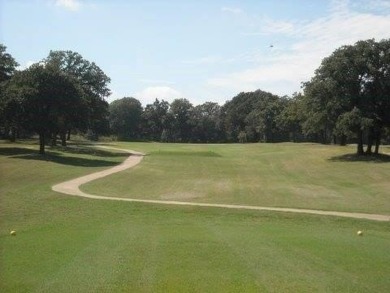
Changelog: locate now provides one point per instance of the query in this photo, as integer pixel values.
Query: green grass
(70, 244)
(278, 175)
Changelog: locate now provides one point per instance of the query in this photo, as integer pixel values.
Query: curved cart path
(72, 187)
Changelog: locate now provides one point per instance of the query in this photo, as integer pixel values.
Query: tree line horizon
(346, 101)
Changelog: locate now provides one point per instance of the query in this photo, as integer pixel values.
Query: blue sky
(199, 50)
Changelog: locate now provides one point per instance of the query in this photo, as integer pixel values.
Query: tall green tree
(125, 118)
(291, 116)
(155, 120)
(234, 114)
(320, 111)
(253, 114)
(206, 124)
(49, 100)
(7, 64)
(350, 93)
(9, 109)
(181, 110)
(261, 122)
(94, 84)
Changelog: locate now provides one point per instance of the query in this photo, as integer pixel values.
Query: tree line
(347, 100)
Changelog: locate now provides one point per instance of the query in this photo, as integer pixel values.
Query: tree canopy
(7, 64)
(48, 100)
(54, 96)
(349, 95)
(8, 111)
(125, 118)
(94, 85)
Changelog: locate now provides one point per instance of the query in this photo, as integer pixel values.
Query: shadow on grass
(10, 151)
(380, 158)
(88, 151)
(57, 156)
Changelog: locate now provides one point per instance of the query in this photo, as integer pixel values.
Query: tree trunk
(360, 150)
(343, 140)
(42, 143)
(54, 139)
(369, 149)
(377, 142)
(68, 137)
(63, 138)
(325, 137)
(292, 136)
(12, 137)
(370, 141)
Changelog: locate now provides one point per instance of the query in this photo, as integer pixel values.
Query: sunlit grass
(70, 244)
(281, 175)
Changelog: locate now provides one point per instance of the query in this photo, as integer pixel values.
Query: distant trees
(290, 118)
(347, 100)
(125, 118)
(156, 121)
(181, 111)
(206, 123)
(180, 121)
(235, 112)
(255, 116)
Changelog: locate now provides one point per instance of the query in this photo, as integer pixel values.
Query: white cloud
(380, 3)
(156, 81)
(149, 94)
(203, 60)
(114, 96)
(231, 10)
(379, 6)
(277, 26)
(283, 71)
(73, 5)
(26, 65)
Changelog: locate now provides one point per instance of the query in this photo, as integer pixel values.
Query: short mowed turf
(279, 175)
(71, 244)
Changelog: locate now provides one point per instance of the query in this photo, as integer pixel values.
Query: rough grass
(69, 244)
(279, 175)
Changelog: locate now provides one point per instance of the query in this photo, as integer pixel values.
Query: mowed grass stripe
(103, 264)
(190, 250)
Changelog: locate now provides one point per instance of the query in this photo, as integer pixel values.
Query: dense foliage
(349, 96)
(347, 100)
(63, 92)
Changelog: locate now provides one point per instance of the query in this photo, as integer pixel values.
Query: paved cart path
(72, 187)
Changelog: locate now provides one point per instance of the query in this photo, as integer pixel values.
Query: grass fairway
(70, 244)
(279, 175)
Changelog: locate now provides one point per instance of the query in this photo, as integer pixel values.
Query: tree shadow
(76, 149)
(88, 143)
(12, 151)
(57, 156)
(379, 158)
